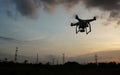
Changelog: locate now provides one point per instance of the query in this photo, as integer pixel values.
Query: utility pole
(96, 59)
(57, 61)
(63, 58)
(16, 54)
(53, 61)
(37, 59)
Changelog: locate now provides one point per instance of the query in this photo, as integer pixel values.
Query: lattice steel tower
(16, 54)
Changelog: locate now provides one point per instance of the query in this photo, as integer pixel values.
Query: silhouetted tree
(71, 64)
(26, 61)
(5, 60)
(48, 63)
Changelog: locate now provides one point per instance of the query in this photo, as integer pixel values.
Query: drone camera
(82, 30)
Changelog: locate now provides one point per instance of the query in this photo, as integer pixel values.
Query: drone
(83, 25)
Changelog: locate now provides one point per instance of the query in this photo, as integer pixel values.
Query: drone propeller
(75, 15)
(95, 17)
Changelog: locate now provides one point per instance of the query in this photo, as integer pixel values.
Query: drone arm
(76, 17)
(74, 24)
(90, 20)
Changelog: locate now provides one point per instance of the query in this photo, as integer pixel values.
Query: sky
(43, 27)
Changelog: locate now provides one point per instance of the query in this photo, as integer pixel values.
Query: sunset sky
(43, 27)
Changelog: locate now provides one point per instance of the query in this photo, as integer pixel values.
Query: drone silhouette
(83, 25)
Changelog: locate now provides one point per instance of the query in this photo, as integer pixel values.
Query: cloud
(69, 4)
(26, 7)
(6, 38)
(111, 6)
(49, 5)
(9, 39)
(30, 7)
(118, 22)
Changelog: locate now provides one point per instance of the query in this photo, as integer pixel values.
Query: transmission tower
(16, 54)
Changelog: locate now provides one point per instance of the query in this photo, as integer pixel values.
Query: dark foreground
(66, 69)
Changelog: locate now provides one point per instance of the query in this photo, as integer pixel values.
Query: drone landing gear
(86, 29)
(76, 30)
(89, 29)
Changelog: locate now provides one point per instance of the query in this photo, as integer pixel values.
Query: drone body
(83, 25)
